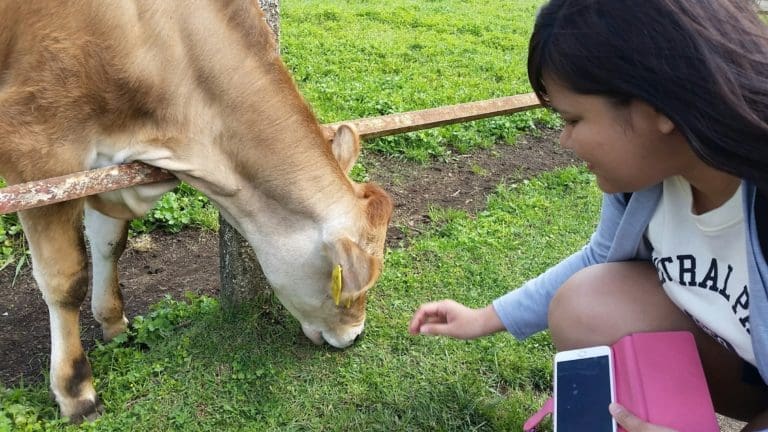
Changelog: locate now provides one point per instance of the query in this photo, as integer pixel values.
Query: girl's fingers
(433, 329)
(425, 312)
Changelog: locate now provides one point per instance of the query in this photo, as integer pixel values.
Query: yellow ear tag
(336, 286)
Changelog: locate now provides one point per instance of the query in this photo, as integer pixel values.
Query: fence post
(242, 278)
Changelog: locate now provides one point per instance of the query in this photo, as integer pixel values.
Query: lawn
(354, 59)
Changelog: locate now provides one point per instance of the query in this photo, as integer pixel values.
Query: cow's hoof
(109, 332)
(85, 410)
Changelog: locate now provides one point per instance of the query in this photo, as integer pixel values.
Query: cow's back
(65, 72)
(75, 72)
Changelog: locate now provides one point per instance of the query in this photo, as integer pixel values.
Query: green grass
(207, 371)
(12, 248)
(354, 59)
(183, 207)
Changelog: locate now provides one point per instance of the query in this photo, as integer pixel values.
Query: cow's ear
(359, 269)
(346, 146)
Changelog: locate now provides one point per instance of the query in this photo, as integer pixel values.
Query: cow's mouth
(319, 337)
(316, 336)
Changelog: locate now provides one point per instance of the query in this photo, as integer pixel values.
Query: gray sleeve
(524, 310)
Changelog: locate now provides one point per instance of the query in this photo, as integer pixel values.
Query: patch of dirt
(151, 268)
(461, 181)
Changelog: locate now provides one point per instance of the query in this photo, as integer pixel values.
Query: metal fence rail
(81, 184)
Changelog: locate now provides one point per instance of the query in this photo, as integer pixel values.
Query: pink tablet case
(659, 378)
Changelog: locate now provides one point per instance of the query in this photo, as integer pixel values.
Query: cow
(197, 88)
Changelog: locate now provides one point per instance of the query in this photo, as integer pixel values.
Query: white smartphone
(584, 387)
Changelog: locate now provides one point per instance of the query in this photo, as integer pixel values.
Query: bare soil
(161, 264)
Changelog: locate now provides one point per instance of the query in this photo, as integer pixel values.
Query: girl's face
(628, 147)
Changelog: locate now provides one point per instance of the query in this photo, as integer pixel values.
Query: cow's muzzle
(342, 341)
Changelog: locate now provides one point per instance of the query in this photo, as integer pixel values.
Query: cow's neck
(270, 169)
(216, 106)
(265, 146)
(286, 179)
(277, 144)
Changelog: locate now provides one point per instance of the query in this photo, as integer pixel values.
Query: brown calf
(194, 87)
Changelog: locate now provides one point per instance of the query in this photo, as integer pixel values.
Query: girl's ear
(664, 124)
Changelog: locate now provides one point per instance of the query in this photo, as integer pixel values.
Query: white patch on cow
(138, 199)
(338, 219)
(65, 346)
(315, 335)
(337, 340)
(344, 339)
(105, 234)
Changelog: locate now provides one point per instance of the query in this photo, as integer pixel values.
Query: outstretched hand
(632, 423)
(449, 318)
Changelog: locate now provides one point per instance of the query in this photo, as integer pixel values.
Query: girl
(667, 103)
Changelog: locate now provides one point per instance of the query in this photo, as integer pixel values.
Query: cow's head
(333, 267)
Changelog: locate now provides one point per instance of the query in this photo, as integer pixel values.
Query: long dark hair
(702, 63)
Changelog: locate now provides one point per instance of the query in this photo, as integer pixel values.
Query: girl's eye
(570, 122)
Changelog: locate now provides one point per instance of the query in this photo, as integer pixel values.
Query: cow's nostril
(359, 337)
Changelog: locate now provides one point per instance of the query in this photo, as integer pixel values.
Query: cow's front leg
(59, 265)
(107, 237)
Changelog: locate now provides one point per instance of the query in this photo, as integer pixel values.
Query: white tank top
(701, 262)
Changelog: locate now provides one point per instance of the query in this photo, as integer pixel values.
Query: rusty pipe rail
(393, 124)
(43, 192)
(54, 190)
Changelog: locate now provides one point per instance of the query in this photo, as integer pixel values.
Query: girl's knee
(574, 305)
(568, 298)
(601, 303)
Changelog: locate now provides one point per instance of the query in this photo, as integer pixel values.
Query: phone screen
(583, 395)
